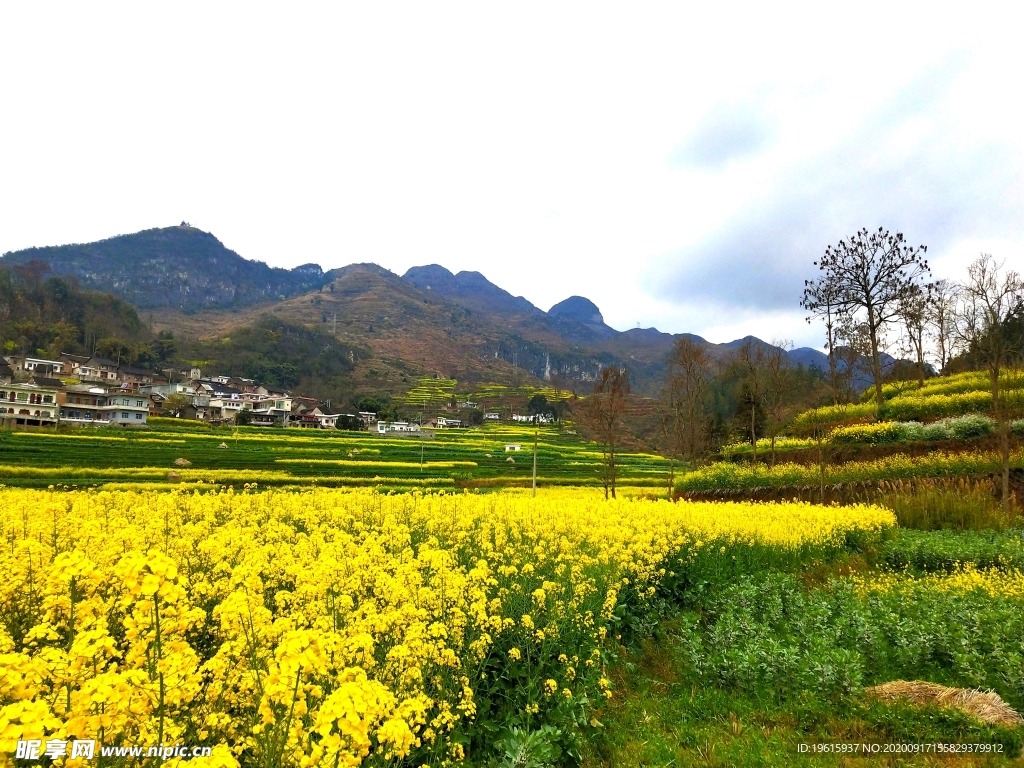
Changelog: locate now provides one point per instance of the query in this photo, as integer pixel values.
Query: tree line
(873, 294)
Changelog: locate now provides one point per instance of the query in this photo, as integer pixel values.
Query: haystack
(987, 706)
(182, 463)
(173, 477)
(223, 445)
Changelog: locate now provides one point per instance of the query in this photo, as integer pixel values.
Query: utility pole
(536, 431)
(421, 449)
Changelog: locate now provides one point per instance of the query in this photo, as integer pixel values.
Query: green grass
(661, 716)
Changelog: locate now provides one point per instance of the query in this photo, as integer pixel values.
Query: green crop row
(729, 476)
(885, 433)
(948, 551)
(904, 408)
(313, 456)
(970, 381)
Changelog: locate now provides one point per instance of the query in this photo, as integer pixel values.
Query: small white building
(397, 426)
(513, 447)
(328, 420)
(43, 367)
(492, 416)
(529, 418)
(227, 408)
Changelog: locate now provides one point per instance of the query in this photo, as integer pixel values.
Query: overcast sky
(682, 168)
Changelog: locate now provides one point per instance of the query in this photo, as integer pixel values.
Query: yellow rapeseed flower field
(337, 627)
(995, 582)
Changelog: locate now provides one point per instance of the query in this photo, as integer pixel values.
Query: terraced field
(454, 458)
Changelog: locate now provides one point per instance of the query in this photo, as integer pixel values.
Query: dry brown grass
(986, 706)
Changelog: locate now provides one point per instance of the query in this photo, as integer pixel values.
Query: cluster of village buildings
(36, 392)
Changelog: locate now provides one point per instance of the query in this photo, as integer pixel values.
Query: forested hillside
(45, 315)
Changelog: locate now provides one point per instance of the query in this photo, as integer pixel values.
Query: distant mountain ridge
(471, 289)
(189, 271)
(180, 267)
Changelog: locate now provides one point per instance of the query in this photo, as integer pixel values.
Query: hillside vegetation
(181, 267)
(45, 315)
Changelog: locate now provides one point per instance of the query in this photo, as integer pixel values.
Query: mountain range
(428, 321)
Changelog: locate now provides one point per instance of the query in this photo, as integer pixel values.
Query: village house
(443, 422)
(369, 418)
(384, 427)
(98, 369)
(47, 383)
(302, 407)
(135, 376)
(225, 409)
(268, 411)
(492, 416)
(308, 420)
(156, 403)
(242, 385)
(126, 408)
(28, 405)
(72, 363)
(84, 405)
(329, 420)
(41, 367)
(539, 418)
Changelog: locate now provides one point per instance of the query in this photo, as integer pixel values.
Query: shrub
(972, 425)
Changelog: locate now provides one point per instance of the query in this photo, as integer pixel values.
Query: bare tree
(853, 355)
(940, 315)
(687, 388)
(778, 389)
(823, 299)
(991, 302)
(751, 364)
(913, 312)
(873, 274)
(668, 426)
(601, 414)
